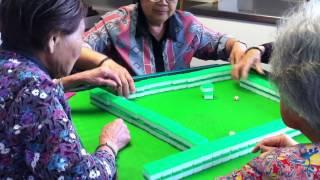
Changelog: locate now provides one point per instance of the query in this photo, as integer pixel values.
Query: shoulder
(22, 79)
(124, 12)
(188, 22)
(186, 17)
(20, 68)
(30, 96)
(118, 20)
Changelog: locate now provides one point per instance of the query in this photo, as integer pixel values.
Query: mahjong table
(176, 133)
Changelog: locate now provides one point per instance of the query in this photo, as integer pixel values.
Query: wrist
(240, 42)
(257, 48)
(58, 81)
(109, 145)
(103, 61)
(73, 80)
(232, 42)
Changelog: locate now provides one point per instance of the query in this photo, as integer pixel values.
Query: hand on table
(101, 77)
(108, 74)
(251, 58)
(271, 143)
(127, 86)
(117, 133)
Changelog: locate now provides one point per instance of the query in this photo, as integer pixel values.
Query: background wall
(107, 5)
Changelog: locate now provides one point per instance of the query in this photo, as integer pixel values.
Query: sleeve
(212, 44)
(282, 163)
(265, 58)
(52, 147)
(97, 38)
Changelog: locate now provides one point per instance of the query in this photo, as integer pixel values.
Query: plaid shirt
(118, 37)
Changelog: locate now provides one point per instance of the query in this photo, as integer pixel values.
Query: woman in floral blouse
(296, 71)
(41, 42)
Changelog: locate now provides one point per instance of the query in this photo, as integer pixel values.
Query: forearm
(89, 59)
(230, 44)
(72, 81)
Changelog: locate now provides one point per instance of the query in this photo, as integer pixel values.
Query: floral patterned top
(297, 162)
(37, 137)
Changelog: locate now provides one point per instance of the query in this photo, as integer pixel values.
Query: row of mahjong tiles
(202, 148)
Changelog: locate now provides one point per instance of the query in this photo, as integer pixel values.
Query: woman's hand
(109, 74)
(251, 58)
(117, 133)
(95, 61)
(127, 86)
(270, 143)
(100, 77)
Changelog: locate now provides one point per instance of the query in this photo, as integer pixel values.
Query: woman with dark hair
(152, 36)
(41, 42)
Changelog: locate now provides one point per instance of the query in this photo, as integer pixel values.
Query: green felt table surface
(142, 149)
(214, 118)
(145, 148)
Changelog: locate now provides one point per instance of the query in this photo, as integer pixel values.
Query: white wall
(249, 32)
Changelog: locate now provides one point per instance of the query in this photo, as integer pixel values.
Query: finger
(119, 90)
(125, 85)
(256, 149)
(130, 80)
(114, 77)
(119, 120)
(109, 83)
(274, 141)
(231, 58)
(245, 70)
(263, 155)
(236, 72)
(264, 148)
(259, 68)
(238, 57)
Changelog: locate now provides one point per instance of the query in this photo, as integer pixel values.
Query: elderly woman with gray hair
(41, 42)
(296, 72)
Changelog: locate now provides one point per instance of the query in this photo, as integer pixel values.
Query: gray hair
(295, 62)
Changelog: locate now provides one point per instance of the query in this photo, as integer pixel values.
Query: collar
(142, 26)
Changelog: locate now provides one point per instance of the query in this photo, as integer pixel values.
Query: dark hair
(27, 24)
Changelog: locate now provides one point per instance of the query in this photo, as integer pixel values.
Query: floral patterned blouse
(37, 137)
(297, 162)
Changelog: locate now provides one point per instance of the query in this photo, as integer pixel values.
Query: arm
(97, 69)
(97, 45)
(214, 45)
(89, 59)
(53, 148)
